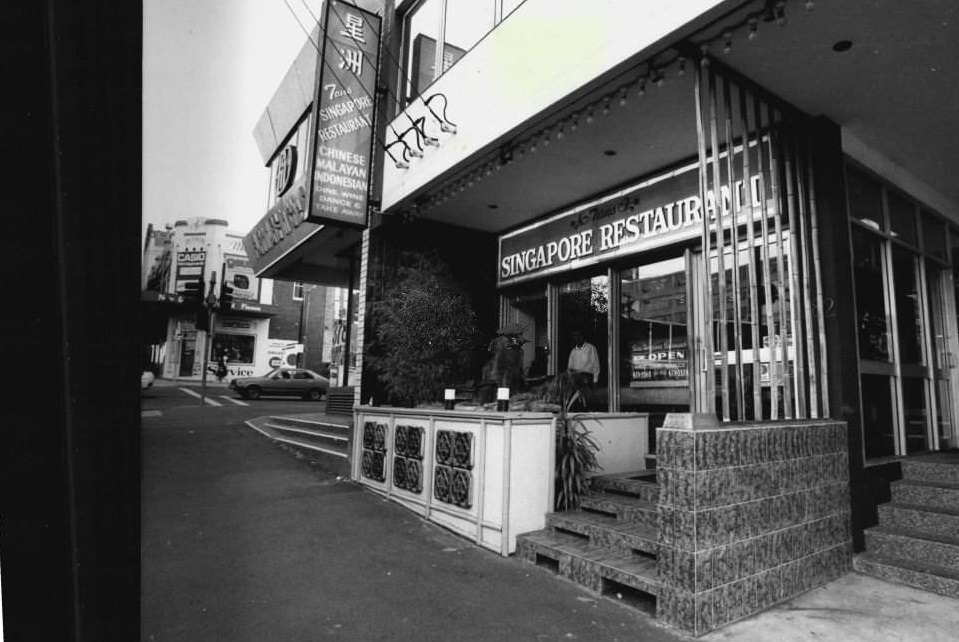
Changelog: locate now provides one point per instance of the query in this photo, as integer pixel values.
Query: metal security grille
(759, 322)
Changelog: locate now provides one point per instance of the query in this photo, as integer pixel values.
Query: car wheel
(315, 394)
(252, 392)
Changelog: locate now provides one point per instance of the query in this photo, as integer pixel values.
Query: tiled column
(749, 515)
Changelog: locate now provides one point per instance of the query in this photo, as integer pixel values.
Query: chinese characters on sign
(346, 84)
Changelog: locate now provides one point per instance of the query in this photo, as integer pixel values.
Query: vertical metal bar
(720, 243)
(734, 242)
(780, 260)
(795, 265)
(817, 265)
(706, 399)
(762, 126)
(552, 320)
(614, 284)
(811, 382)
(743, 122)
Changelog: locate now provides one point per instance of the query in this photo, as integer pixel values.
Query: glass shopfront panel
(654, 339)
(584, 308)
(527, 311)
(906, 320)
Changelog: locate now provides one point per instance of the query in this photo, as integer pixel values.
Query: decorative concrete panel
(750, 514)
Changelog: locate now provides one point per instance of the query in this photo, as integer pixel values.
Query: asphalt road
(243, 541)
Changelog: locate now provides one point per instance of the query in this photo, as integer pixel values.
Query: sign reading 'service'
(343, 117)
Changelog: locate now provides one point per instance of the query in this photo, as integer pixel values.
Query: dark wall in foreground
(69, 458)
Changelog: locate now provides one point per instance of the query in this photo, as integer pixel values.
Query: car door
(281, 383)
(302, 381)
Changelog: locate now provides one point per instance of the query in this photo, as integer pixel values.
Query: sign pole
(210, 304)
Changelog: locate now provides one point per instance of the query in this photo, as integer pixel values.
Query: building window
(437, 33)
(238, 348)
(297, 290)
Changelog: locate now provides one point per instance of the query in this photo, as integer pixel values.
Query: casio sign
(285, 170)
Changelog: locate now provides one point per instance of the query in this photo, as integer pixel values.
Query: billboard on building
(189, 268)
(343, 103)
(238, 273)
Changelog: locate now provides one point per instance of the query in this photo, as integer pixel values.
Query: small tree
(425, 331)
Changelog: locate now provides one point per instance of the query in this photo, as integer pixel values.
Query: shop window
(865, 198)
(754, 333)
(871, 319)
(902, 218)
(934, 236)
(584, 308)
(908, 311)
(238, 348)
(527, 311)
(654, 342)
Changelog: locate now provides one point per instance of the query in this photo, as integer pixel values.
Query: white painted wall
(544, 51)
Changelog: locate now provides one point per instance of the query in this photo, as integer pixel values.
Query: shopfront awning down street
(283, 245)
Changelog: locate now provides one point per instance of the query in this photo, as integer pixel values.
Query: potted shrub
(575, 449)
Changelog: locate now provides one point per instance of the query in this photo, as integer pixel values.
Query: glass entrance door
(942, 308)
(653, 339)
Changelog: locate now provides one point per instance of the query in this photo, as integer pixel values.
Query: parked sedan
(283, 381)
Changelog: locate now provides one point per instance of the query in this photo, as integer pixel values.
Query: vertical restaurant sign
(189, 267)
(343, 116)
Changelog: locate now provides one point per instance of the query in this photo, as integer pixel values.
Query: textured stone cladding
(749, 515)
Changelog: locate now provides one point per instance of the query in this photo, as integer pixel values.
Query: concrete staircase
(324, 438)
(917, 539)
(609, 545)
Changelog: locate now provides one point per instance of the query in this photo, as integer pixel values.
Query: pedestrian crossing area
(214, 400)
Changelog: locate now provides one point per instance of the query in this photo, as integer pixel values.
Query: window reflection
(654, 347)
(584, 308)
(466, 22)
(871, 319)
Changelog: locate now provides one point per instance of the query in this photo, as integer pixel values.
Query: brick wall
(749, 515)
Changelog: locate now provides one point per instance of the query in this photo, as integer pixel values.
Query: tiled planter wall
(749, 515)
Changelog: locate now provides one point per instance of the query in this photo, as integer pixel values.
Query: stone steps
(925, 493)
(642, 485)
(329, 438)
(592, 567)
(327, 443)
(940, 467)
(627, 538)
(928, 577)
(623, 508)
(937, 521)
(609, 545)
(940, 550)
(917, 539)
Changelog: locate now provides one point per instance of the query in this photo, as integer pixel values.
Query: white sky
(209, 69)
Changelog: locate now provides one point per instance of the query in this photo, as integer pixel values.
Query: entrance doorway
(906, 320)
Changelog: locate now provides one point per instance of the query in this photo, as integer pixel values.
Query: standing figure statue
(505, 367)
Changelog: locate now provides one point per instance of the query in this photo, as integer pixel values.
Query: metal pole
(210, 304)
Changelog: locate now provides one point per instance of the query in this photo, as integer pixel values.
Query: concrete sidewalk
(244, 541)
(854, 608)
